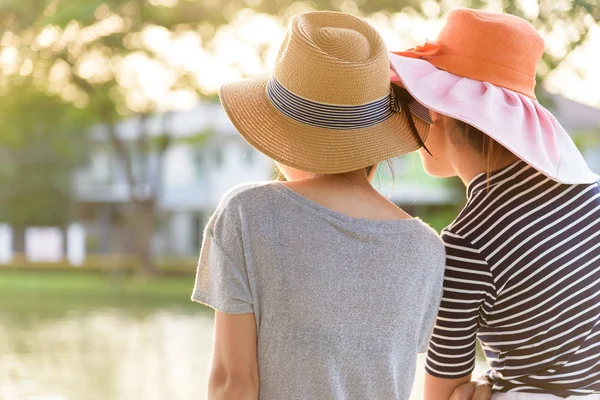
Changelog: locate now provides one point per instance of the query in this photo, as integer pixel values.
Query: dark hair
(485, 145)
(403, 98)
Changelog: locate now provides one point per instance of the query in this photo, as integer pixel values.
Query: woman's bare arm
(478, 389)
(234, 371)
(441, 389)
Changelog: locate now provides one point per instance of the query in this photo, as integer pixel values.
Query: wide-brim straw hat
(481, 70)
(328, 106)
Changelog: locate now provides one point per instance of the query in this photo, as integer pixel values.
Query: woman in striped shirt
(523, 257)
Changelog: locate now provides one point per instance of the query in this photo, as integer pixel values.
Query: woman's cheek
(436, 164)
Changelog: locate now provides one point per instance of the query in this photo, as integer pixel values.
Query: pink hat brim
(516, 121)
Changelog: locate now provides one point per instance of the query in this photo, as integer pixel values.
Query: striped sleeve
(468, 290)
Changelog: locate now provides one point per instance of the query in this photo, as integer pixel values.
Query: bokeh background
(114, 152)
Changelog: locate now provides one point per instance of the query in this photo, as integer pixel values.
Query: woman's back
(338, 301)
(531, 248)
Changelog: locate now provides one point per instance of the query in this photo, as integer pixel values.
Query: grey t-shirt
(342, 305)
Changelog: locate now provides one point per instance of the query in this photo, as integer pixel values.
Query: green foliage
(40, 142)
(587, 140)
(438, 217)
(42, 292)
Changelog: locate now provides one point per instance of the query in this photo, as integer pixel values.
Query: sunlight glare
(9, 39)
(349, 7)
(135, 100)
(69, 93)
(585, 61)
(431, 9)
(48, 36)
(156, 38)
(26, 67)
(8, 60)
(556, 40)
(178, 100)
(237, 53)
(108, 26)
(59, 72)
(102, 12)
(531, 8)
(259, 29)
(185, 51)
(164, 3)
(214, 73)
(148, 79)
(94, 67)
(405, 31)
(297, 7)
(250, 42)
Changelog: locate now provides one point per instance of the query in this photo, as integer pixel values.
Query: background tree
(100, 56)
(40, 147)
(78, 51)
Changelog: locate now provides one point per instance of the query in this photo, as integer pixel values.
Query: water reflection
(105, 355)
(109, 355)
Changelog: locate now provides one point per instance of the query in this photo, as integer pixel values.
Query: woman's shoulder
(246, 193)
(428, 230)
(430, 243)
(238, 199)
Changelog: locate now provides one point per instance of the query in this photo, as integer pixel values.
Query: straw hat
(327, 107)
(481, 70)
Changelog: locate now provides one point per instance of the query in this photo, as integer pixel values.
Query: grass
(46, 291)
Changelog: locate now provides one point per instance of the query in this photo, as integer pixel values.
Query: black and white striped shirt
(523, 276)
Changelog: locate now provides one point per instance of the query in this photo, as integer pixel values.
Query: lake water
(110, 354)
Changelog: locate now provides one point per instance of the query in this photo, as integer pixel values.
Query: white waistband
(535, 396)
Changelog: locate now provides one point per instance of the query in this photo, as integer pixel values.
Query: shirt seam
(210, 232)
(482, 258)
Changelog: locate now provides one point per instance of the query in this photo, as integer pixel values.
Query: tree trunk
(143, 228)
(19, 239)
(144, 188)
(144, 217)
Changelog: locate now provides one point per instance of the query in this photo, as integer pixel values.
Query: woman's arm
(469, 291)
(479, 389)
(442, 389)
(234, 371)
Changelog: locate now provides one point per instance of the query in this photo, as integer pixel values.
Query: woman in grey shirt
(323, 289)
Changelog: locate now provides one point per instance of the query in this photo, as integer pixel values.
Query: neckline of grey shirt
(370, 225)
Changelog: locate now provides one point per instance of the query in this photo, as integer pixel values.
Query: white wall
(240, 164)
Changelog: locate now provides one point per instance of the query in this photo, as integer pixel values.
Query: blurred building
(583, 123)
(196, 173)
(193, 178)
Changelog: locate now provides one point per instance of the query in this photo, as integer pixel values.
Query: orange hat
(481, 70)
(482, 46)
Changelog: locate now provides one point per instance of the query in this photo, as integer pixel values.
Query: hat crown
(503, 41)
(323, 51)
(343, 44)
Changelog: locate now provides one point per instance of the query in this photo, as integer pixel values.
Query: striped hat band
(341, 117)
